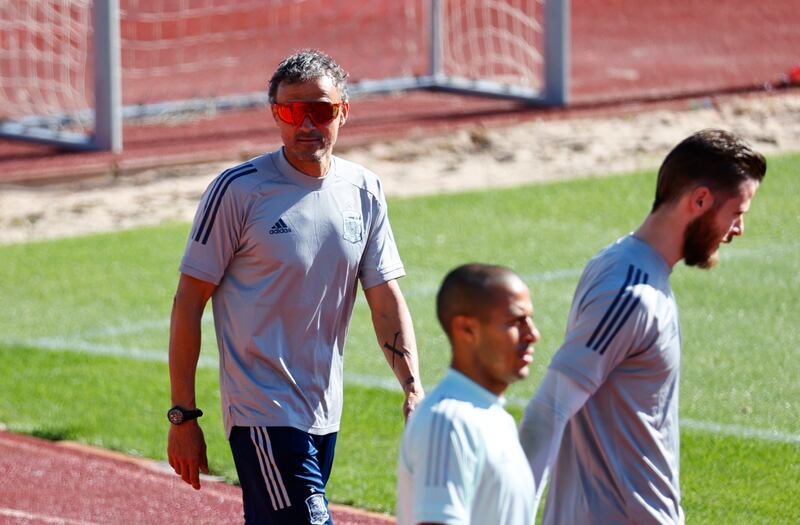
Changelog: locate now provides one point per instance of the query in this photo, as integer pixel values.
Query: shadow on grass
(54, 433)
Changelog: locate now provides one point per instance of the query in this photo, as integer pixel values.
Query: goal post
(107, 77)
(557, 52)
(542, 34)
(72, 70)
(46, 94)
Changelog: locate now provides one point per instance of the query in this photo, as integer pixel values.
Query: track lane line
(41, 518)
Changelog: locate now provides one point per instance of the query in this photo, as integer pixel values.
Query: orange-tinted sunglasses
(294, 113)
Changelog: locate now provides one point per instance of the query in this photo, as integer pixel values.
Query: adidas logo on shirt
(279, 227)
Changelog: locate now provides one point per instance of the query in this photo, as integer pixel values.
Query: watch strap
(178, 415)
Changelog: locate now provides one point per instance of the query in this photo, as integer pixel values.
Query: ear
(700, 200)
(465, 329)
(344, 111)
(274, 112)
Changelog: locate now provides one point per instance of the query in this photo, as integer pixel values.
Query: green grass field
(84, 330)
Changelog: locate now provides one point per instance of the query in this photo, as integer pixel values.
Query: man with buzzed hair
(460, 457)
(604, 422)
(281, 242)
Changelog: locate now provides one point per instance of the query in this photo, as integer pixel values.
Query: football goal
(59, 73)
(74, 70)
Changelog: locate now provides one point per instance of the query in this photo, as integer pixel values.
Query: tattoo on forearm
(409, 381)
(394, 350)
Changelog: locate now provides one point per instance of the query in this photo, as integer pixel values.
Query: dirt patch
(473, 158)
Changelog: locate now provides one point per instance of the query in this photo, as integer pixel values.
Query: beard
(311, 152)
(701, 241)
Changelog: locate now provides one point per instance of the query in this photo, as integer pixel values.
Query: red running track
(43, 482)
(620, 49)
(623, 51)
(626, 49)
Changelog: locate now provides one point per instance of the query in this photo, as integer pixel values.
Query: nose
(738, 227)
(307, 123)
(532, 333)
(536, 335)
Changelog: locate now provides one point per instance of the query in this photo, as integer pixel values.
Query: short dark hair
(717, 159)
(470, 290)
(306, 65)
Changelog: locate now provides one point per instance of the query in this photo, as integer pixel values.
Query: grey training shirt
(619, 457)
(286, 251)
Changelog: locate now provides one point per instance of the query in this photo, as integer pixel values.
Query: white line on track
(27, 517)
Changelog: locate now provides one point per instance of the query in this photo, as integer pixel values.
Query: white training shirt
(461, 461)
(286, 251)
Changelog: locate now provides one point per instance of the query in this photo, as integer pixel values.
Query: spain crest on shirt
(352, 226)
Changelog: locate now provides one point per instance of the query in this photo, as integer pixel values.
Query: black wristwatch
(178, 414)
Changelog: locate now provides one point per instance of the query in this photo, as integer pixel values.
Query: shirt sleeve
(445, 462)
(610, 319)
(381, 261)
(216, 229)
(543, 423)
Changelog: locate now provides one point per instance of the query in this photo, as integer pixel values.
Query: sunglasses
(294, 113)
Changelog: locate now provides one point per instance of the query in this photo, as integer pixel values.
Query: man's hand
(186, 449)
(413, 398)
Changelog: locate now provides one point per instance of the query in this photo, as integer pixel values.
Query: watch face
(175, 416)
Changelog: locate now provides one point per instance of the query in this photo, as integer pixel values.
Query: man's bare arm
(186, 447)
(395, 332)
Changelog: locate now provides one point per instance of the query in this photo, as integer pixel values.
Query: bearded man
(604, 422)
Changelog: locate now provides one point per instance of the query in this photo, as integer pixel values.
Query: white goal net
(501, 41)
(177, 55)
(43, 60)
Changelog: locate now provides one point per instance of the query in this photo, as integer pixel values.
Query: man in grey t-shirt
(604, 422)
(281, 242)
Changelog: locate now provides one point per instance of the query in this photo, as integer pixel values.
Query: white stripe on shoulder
(440, 443)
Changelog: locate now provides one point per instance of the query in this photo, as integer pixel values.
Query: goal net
(43, 61)
(500, 41)
(190, 55)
